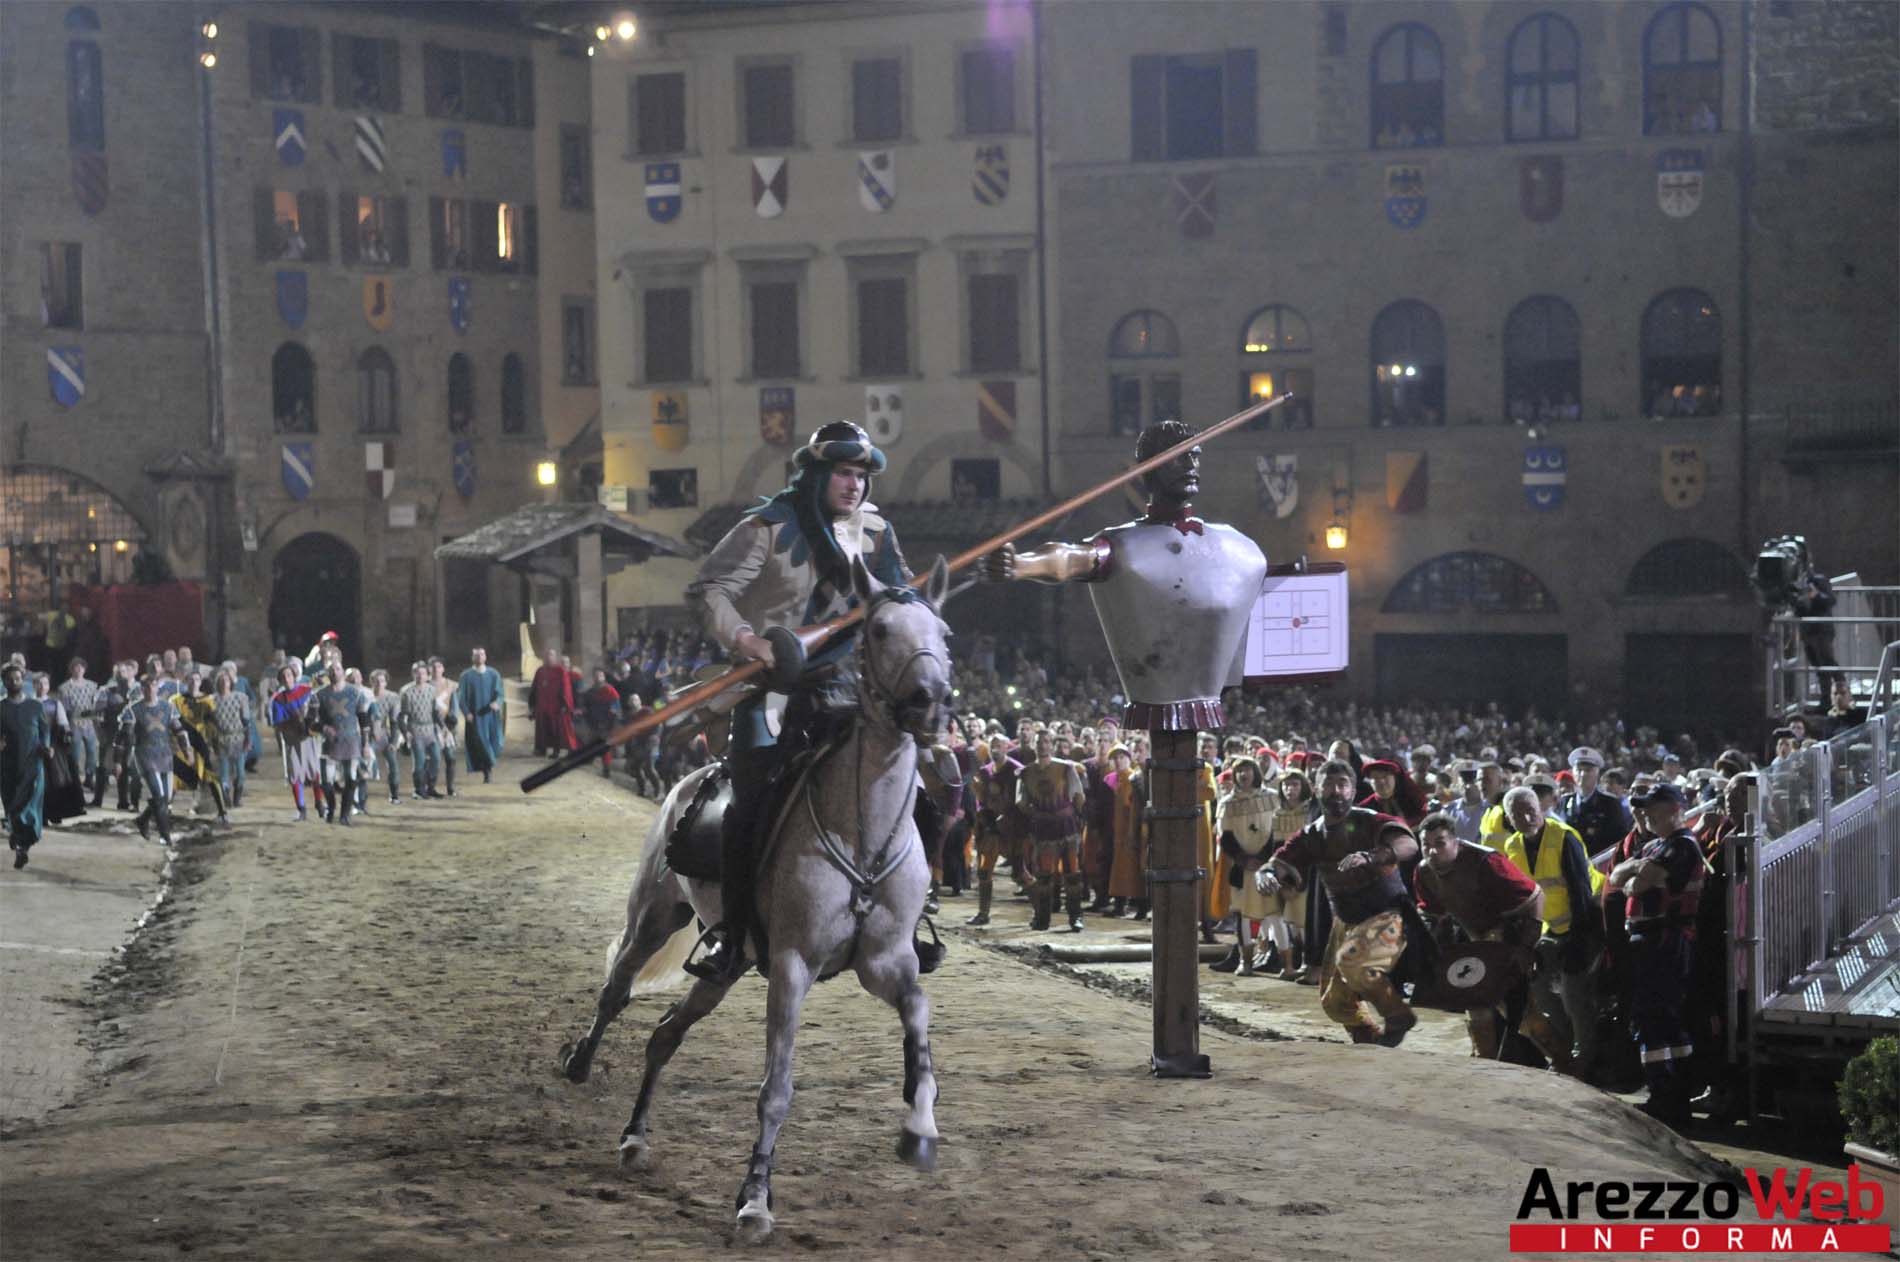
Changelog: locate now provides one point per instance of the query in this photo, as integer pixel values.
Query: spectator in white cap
(1600, 819)
(1423, 758)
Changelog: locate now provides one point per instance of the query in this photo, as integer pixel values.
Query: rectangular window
(448, 235)
(285, 62)
(659, 114)
(62, 296)
(442, 82)
(774, 328)
(995, 323)
(367, 73)
(577, 169)
(375, 230)
(667, 330)
(975, 481)
(498, 89)
(877, 99)
(1190, 107)
(673, 488)
(883, 327)
(293, 227)
(989, 90)
(577, 341)
(768, 107)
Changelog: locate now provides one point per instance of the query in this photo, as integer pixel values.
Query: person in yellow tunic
(1215, 895)
(1127, 886)
(1244, 822)
(200, 716)
(1287, 931)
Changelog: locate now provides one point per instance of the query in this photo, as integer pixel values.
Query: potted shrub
(1870, 1105)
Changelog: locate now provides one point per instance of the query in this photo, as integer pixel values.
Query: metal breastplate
(1174, 609)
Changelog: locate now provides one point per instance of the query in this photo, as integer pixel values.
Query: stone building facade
(312, 342)
(1572, 331)
(808, 213)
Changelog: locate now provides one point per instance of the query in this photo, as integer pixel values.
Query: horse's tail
(657, 898)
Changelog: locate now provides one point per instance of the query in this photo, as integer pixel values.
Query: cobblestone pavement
(335, 1043)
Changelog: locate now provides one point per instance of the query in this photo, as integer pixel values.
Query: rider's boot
(725, 958)
(985, 889)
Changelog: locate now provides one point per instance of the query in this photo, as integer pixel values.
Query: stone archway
(316, 586)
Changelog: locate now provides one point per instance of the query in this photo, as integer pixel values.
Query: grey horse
(842, 887)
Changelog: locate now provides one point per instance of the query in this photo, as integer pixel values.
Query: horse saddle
(696, 848)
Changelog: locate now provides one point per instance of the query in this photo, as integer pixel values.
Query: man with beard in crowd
(479, 695)
(1355, 853)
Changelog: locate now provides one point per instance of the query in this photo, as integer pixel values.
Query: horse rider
(786, 565)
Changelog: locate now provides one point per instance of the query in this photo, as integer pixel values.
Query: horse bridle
(875, 688)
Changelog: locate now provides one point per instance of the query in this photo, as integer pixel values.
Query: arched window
(1543, 374)
(514, 395)
(1139, 392)
(1476, 582)
(1408, 366)
(293, 390)
(1688, 568)
(59, 530)
(376, 392)
(85, 97)
(1682, 355)
(461, 394)
(81, 18)
(1682, 72)
(1408, 89)
(1276, 355)
(1541, 85)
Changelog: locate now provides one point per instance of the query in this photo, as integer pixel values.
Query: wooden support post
(1176, 879)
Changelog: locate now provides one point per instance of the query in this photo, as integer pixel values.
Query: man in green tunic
(26, 746)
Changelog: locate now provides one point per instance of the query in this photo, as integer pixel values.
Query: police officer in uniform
(1663, 885)
(1601, 820)
(787, 564)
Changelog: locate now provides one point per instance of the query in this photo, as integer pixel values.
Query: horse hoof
(917, 1150)
(754, 1224)
(574, 1066)
(635, 1153)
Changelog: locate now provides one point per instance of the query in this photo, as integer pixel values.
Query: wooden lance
(814, 637)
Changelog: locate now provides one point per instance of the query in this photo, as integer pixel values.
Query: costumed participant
(297, 739)
(1394, 792)
(121, 691)
(340, 711)
(1289, 932)
(1052, 797)
(1216, 893)
(84, 700)
(319, 655)
(65, 796)
(26, 746)
(415, 724)
(159, 744)
(448, 719)
(382, 734)
(998, 821)
(1126, 884)
(600, 711)
(1355, 853)
(1489, 900)
(551, 700)
(231, 725)
(197, 770)
(478, 694)
(1244, 821)
(1663, 888)
(785, 565)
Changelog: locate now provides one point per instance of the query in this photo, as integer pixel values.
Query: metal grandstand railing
(1865, 619)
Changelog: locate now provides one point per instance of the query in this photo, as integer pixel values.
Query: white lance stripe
(1543, 479)
(64, 369)
(298, 467)
(369, 141)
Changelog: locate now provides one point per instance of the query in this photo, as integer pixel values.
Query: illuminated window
(1276, 355)
(1408, 366)
(1542, 81)
(1682, 355)
(1408, 89)
(505, 249)
(1682, 72)
(375, 230)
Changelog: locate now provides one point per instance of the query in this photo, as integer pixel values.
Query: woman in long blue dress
(25, 745)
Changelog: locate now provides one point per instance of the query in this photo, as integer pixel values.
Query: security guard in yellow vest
(1494, 827)
(1564, 988)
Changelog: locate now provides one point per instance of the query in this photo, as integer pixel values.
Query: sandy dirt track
(343, 1044)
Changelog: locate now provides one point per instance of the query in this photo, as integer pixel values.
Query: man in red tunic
(551, 696)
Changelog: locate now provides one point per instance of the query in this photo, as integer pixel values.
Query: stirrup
(712, 966)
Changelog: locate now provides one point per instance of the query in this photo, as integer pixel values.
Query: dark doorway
(1706, 685)
(1467, 671)
(317, 586)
